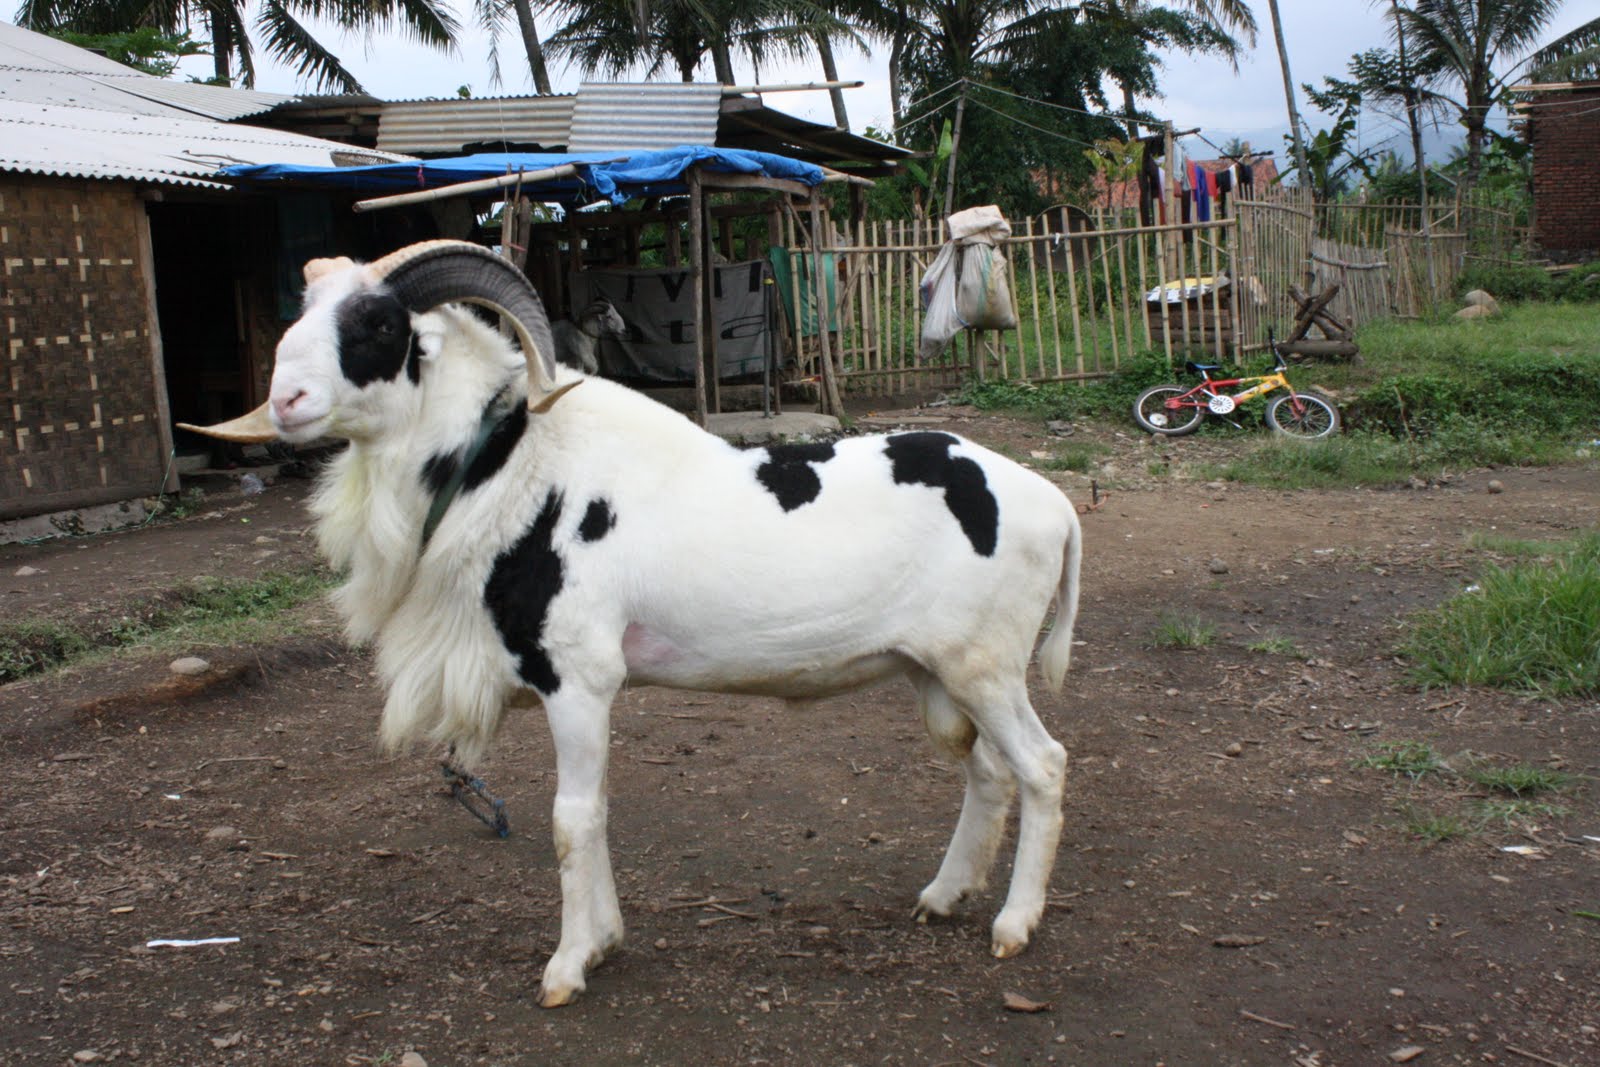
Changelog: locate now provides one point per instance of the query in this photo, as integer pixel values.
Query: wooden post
(697, 288)
(158, 360)
(831, 404)
(1174, 264)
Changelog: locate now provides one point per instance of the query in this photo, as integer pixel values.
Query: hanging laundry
(1149, 182)
(1202, 197)
(1224, 179)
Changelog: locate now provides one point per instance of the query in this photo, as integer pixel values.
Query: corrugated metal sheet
(43, 70)
(211, 101)
(89, 143)
(446, 125)
(611, 116)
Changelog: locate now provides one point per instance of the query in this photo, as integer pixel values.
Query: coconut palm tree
(1477, 43)
(608, 38)
(276, 22)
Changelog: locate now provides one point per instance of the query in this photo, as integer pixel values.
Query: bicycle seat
(1201, 368)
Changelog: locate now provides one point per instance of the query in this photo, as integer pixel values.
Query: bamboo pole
(1033, 297)
(697, 289)
(831, 403)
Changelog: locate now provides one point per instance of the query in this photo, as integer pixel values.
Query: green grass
(1531, 626)
(207, 612)
(1275, 645)
(1079, 456)
(1515, 811)
(1520, 780)
(1434, 827)
(1413, 759)
(1499, 545)
(1182, 632)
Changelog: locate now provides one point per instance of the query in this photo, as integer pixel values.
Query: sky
(1321, 36)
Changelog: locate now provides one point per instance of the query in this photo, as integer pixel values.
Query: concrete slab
(753, 428)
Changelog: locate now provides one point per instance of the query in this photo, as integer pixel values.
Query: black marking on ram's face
(788, 475)
(502, 441)
(925, 459)
(524, 580)
(375, 341)
(598, 519)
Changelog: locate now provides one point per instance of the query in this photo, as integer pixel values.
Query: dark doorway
(202, 268)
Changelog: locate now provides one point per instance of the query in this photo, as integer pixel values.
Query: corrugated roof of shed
(610, 116)
(447, 125)
(87, 143)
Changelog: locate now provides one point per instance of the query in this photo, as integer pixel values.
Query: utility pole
(955, 150)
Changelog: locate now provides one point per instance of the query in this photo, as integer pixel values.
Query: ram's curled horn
(431, 273)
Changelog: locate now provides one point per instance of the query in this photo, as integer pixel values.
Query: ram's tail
(1056, 652)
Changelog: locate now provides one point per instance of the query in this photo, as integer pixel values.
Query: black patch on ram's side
(375, 342)
(502, 441)
(925, 459)
(788, 475)
(524, 580)
(598, 520)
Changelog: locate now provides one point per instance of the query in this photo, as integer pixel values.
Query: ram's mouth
(253, 428)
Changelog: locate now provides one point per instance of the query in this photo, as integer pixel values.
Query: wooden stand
(1337, 341)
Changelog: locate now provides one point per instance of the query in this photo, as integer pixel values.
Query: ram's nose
(289, 408)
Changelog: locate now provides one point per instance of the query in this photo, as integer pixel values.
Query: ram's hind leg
(591, 919)
(1038, 762)
(983, 810)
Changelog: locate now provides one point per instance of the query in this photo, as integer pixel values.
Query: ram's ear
(318, 268)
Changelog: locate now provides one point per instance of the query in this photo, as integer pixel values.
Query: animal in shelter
(577, 339)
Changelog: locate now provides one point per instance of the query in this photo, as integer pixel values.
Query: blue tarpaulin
(616, 176)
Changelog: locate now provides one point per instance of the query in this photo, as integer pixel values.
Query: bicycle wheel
(1317, 416)
(1150, 411)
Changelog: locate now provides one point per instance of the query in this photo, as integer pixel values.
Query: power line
(1156, 125)
(1031, 126)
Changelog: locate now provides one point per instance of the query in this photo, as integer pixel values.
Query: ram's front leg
(591, 919)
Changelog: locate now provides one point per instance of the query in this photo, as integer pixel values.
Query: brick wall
(1565, 133)
(78, 397)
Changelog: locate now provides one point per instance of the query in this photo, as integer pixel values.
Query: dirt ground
(1231, 888)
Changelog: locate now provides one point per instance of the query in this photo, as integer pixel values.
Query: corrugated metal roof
(611, 116)
(446, 125)
(43, 70)
(88, 143)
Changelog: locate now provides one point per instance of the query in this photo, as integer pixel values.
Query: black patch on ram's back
(375, 341)
(925, 459)
(502, 441)
(788, 474)
(598, 520)
(524, 580)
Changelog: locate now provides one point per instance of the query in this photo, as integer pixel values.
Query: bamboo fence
(1091, 288)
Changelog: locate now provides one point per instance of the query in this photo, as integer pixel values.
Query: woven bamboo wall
(78, 399)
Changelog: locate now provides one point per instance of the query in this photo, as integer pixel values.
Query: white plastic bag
(938, 290)
(983, 291)
(966, 285)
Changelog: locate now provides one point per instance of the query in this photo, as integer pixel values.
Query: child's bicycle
(1175, 410)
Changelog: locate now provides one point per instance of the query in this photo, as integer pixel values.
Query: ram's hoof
(1009, 937)
(557, 998)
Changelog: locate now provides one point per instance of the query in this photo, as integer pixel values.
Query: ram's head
(359, 337)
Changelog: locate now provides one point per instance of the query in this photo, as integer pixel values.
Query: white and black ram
(510, 527)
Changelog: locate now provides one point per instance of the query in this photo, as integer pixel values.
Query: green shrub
(1581, 285)
(1508, 281)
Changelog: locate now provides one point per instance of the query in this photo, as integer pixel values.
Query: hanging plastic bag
(938, 291)
(966, 285)
(983, 290)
